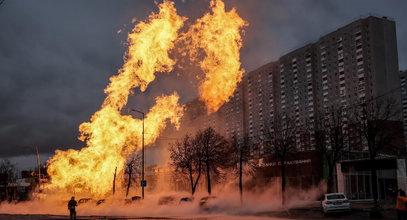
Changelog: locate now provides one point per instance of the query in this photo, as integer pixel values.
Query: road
(300, 214)
(58, 217)
(308, 212)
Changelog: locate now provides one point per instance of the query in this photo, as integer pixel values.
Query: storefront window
(357, 185)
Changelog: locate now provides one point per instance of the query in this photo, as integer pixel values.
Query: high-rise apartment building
(297, 91)
(353, 64)
(403, 90)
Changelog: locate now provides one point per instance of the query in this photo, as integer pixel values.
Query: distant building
(403, 90)
(355, 63)
(18, 189)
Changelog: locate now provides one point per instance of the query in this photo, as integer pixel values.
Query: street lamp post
(143, 183)
(39, 168)
(38, 165)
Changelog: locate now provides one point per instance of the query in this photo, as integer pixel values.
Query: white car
(335, 202)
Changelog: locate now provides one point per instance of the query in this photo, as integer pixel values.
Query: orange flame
(218, 35)
(149, 44)
(110, 137)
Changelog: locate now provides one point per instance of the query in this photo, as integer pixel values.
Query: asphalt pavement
(312, 211)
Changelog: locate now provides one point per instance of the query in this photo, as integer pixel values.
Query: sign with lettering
(289, 162)
(298, 164)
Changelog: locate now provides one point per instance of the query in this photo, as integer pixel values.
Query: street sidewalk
(355, 205)
(359, 210)
(366, 206)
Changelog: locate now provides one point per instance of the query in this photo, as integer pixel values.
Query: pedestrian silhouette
(71, 206)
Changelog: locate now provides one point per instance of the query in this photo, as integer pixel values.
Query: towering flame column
(218, 35)
(110, 136)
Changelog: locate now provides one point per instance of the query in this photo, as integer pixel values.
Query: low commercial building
(354, 178)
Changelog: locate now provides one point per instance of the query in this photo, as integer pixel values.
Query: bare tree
(7, 175)
(216, 154)
(132, 170)
(280, 138)
(7, 172)
(207, 152)
(241, 159)
(375, 118)
(187, 157)
(330, 139)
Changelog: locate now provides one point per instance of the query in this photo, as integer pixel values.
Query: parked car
(100, 201)
(203, 203)
(335, 202)
(186, 199)
(166, 200)
(136, 198)
(133, 199)
(84, 200)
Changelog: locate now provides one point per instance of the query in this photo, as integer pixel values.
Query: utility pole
(142, 164)
(39, 168)
(143, 181)
(114, 181)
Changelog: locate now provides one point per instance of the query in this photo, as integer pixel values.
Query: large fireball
(110, 136)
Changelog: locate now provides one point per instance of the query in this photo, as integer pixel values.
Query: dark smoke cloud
(56, 57)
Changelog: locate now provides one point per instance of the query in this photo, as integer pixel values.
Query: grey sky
(56, 56)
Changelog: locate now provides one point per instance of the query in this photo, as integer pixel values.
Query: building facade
(403, 92)
(355, 63)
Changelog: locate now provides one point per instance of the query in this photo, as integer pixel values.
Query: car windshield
(339, 196)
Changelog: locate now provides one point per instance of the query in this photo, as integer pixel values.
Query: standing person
(401, 205)
(71, 206)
